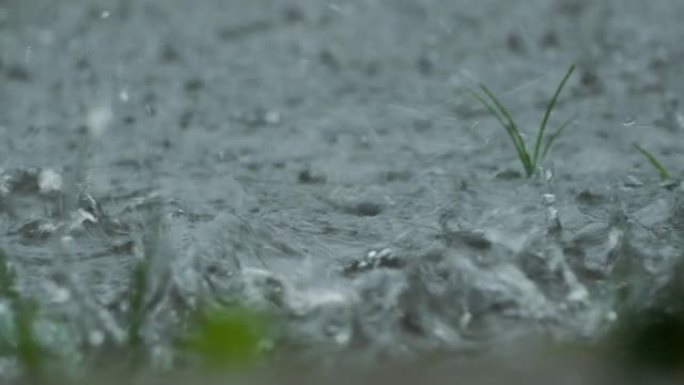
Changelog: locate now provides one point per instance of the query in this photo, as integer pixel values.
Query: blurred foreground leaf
(232, 337)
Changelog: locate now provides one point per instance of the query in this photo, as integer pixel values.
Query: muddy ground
(323, 159)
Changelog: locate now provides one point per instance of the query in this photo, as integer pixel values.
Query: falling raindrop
(28, 55)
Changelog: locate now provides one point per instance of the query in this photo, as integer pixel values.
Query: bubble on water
(105, 14)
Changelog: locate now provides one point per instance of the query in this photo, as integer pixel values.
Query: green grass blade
(552, 138)
(516, 139)
(138, 287)
(512, 130)
(547, 114)
(228, 337)
(488, 106)
(7, 278)
(662, 171)
(29, 352)
(510, 123)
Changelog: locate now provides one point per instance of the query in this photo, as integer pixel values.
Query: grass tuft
(228, 337)
(662, 171)
(541, 147)
(25, 345)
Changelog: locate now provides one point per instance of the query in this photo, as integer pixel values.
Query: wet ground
(323, 160)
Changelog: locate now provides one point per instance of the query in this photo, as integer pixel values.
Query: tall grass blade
(494, 106)
(141, 284)
(547, 115)
(7, 278)
(513, 132)
(488, 106)
(506, 121)
(136, 301)
(662, 171)
(552, 138)
(30, 353)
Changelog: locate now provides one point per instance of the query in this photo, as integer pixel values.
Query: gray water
(322, 161)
